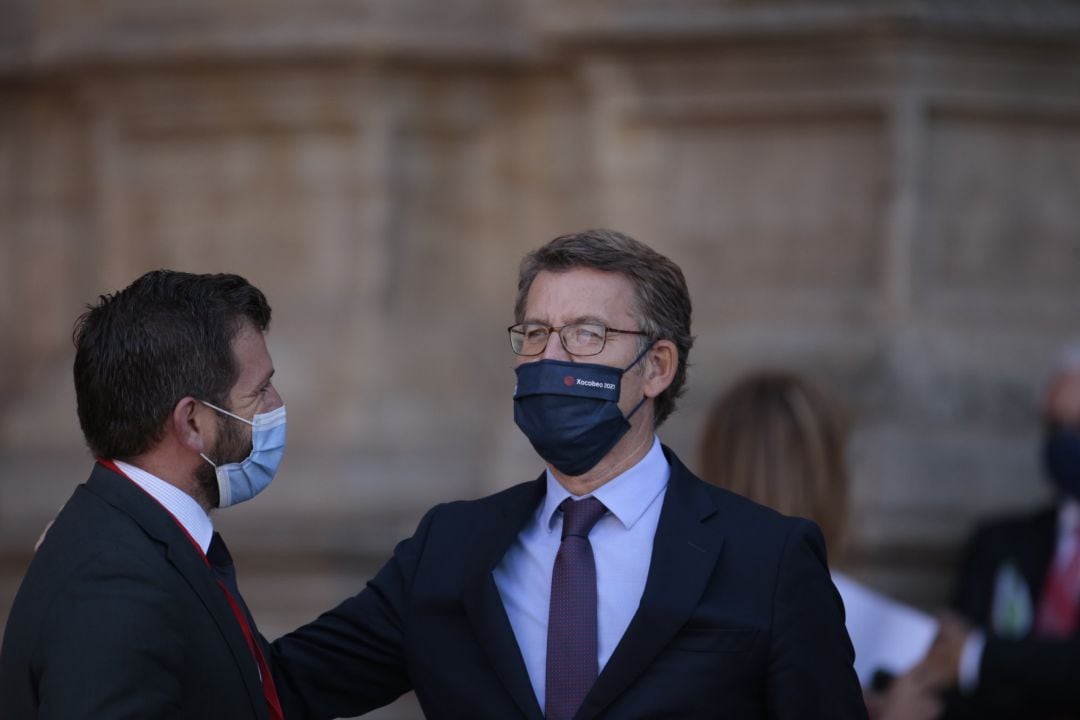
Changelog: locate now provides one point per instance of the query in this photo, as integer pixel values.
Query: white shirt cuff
(970, 659)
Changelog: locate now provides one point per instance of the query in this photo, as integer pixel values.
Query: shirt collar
(626, 496)
(1068, 518)
(180, 505)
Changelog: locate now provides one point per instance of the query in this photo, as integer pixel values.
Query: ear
(661, 362)
(191, 425)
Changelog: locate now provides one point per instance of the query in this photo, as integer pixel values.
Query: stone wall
(885, 196)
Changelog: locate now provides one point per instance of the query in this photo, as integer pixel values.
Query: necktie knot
(579, 516)
(221, 567)
(218, 553)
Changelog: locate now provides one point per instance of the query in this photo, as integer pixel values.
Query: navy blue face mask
(570, 411)
(1061, 457)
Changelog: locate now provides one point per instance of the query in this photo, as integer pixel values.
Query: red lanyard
(269, 691)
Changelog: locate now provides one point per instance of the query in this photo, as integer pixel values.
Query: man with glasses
(614, 585)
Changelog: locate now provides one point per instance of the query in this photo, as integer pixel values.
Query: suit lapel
(684, 555)
(1036, 557)
(159, 524)
(484, 606)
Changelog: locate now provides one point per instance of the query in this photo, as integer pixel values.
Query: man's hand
(912, 696)
(942, 662)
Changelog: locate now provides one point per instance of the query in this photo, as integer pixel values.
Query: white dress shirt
(622, 542)
(180, 505)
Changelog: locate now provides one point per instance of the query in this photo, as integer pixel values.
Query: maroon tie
(1058, 607)
(571, 650)
(221, 565)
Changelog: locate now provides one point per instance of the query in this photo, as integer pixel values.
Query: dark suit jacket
(119, 616)
(739, 619)
(1024, 676)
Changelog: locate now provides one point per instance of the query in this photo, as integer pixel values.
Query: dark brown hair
(141, 350)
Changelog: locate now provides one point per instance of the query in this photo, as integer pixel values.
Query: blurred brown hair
(776, 439)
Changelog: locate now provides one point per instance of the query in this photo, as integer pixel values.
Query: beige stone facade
(884, 195)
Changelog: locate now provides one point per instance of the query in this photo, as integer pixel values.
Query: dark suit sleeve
(1022, 676)
(1034, 668)
(351, 659)
(109, 647)
(974, 589)
(811, 672)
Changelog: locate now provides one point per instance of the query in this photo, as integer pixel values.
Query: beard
(232, 447)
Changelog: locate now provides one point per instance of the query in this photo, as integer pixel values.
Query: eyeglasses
(580, 339)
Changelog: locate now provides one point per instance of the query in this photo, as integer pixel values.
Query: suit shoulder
(736, 502)
(737, 511)
(90, 539)
(87, 524)
(461, 516)
(734, 511)
(510, 497)
(76, 545)
(756, 531)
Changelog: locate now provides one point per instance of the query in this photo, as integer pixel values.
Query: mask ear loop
(639, 356)
(637, 407)
(223, 411)
(226, 412)
(635, 362)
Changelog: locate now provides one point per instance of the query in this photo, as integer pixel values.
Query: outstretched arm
(350, 660)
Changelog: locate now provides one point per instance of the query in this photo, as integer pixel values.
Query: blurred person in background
(130, 608)
(1013, 646)
(616, 584)
(776, 439)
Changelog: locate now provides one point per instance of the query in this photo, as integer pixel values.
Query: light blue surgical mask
(240, 481)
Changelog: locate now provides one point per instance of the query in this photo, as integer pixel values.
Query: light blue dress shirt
(187, 511)
(622, 544)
